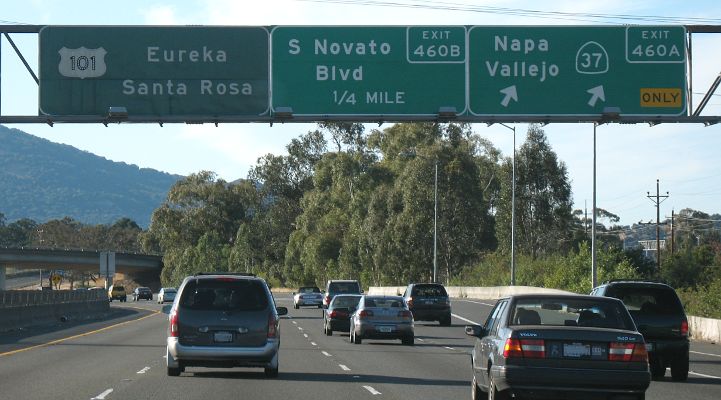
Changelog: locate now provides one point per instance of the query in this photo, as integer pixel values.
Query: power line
(558, 15)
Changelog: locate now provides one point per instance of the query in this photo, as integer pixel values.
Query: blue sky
(629, 157)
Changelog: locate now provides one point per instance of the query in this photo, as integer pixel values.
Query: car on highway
(429, 302)
(224, 320)
(142, 292)
(337, 316)
(558, 346)
(166, 294)
(382, 317)
(117, 292)
(337, 286)
(661, 319)
(307, 296)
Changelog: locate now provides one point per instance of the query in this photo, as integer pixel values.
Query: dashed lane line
(465, 319)
(704, 375)
(705, 354)
(325, 353)
(314, 343)
(144, 370)
(102, 396)
(475, 302)
(373, 391)
(343, 367)
(449, 348)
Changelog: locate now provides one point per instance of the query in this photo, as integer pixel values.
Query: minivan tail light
(174, 324)
(272, 327)
(627, 352)
(684, 328)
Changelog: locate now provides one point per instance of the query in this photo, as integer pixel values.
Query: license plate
(576, 350)
(385, 329)
(222, 337)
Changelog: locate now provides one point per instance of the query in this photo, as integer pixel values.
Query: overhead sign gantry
(362, 73)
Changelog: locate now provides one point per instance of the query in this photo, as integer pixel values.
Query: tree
(543, 199)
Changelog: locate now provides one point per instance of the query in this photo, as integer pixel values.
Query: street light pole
(435, 226)
(513, 209)
(594, 279)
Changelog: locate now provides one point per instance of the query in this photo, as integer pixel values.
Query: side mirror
(475, 330)
(282, 310)
(362, 291)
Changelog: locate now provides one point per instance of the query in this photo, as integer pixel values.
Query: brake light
(627, 352)
(405, 314)
(174, 323)
(365, 314)
(524, 348)
(337, 314)
(410, 302)
(326, 300)
(684, 328)
(272, 326)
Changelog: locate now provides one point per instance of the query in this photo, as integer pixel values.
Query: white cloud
(160, 15)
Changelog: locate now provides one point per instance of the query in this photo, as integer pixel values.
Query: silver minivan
(224, 320)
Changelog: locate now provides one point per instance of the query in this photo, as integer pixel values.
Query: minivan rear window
(343, 287)
(648, 300)
(429, 291)
(225, 295)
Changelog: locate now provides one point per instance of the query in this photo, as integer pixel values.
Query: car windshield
(118, 288)
(169, 290)
(309, 289)
(429, 291)
(570, 312)
(383, 302)
(344, 287)
(224, 295)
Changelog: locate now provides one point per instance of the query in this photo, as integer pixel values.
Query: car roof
(343, 280)
(558, 296)
(634, 282)
(381, 296)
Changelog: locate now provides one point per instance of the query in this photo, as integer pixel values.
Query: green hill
(42, 180)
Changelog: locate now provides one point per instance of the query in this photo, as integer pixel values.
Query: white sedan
(166, 294)
(308, 296)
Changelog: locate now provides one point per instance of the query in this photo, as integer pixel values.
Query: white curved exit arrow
(596, 93)
(510, 93)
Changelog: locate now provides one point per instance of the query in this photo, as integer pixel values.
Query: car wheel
(173, 371)
(475, 390)
(658, 369)
(446, 321)
(357, 339)
(679, 368)
(271, 372)
(320, 306)
(328, 331)
(296, 306)
(493, 393)
(408, 340)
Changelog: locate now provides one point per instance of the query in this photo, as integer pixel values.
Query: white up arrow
(596, 93)
(510, 93)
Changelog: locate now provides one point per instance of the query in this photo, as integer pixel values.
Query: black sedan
(142, 293)
(337, 316)
(559, 346)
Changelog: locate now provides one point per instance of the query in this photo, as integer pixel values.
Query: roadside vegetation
(346, 203)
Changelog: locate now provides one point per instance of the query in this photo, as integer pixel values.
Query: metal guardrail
(25, 298)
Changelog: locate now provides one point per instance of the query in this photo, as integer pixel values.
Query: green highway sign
(368, 70)
(154, 71)
(578, 70)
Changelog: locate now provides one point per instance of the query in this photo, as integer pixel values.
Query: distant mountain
(42, 180)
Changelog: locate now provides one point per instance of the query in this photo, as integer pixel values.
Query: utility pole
(672, 218)
(657, 202)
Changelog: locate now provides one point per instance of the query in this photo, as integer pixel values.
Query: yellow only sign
(661, 97)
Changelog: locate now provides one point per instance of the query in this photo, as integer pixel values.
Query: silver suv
(224, 320)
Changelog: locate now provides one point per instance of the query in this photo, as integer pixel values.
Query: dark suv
(429, 302)
(224, 320)
(336, 286)
(659, 316)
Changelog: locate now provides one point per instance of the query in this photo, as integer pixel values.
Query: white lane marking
(144, 370)
(325, 353)
(465, 319)
(421, 340)
(476, 302)
(295, 322)
(705, 354)
(314, 343)
(101, 396)
(449, 348)
(370, 389)
(704, 375)
(343, 367)
(305, 334)
(300, 328)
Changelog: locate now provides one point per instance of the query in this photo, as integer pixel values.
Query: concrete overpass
(131, 264)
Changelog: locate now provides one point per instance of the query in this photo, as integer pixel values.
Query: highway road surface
(121, 357)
